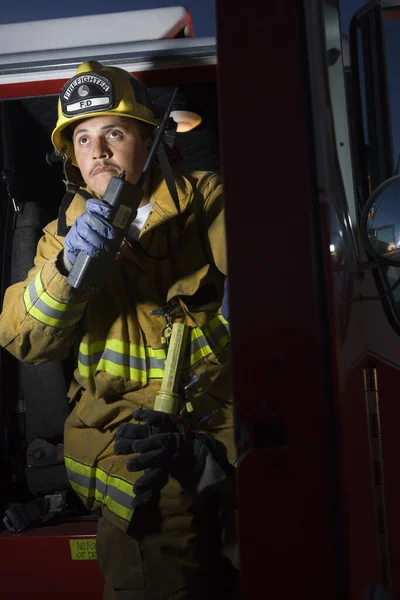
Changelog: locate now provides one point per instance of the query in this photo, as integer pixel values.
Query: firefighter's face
(107, 145)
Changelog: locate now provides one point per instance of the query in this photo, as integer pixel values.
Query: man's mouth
(104, 169)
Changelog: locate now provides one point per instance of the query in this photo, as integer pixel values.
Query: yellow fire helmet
(97, 90)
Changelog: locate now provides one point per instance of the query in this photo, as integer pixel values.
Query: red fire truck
(306, 124)
(314, 305)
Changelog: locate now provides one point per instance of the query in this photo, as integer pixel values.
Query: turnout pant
(173, 550)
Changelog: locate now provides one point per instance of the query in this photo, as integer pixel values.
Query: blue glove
(165, 448)
(92, 233)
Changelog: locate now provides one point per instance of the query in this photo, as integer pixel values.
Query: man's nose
(101, 149)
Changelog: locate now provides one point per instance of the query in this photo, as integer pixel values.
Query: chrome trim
(158, 54)
(377, 473)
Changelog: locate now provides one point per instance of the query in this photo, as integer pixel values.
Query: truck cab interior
(35, 498)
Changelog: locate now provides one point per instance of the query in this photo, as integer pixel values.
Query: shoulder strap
(62, 228)
(168, 175)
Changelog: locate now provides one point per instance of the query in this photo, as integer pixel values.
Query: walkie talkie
(89, 273)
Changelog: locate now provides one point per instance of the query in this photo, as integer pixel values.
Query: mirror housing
(380, 223)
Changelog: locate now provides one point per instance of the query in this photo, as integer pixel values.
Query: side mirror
(380, 222)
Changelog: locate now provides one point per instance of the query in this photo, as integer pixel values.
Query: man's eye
(83, 140)
(115, 134)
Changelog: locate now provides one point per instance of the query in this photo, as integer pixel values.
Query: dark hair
(68, 132)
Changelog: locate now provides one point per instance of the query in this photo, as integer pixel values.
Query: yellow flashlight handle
(168, 399)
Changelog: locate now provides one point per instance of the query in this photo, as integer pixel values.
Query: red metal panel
(184, 23)
(389, 407)
(38, 563)
(359, 520)
(287, 502)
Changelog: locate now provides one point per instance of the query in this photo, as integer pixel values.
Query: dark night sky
(202, 10)
(25, 10)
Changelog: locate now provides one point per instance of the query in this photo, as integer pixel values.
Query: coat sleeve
(39, 314)
(215, 223)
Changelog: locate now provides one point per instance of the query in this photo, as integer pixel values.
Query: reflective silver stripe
(197, 343)
(105, 489)
(138, 363)
(96, 485)
(46, 309)
(156, 363)
(55, 314)
(217, 333)
(89, 359)
(198, 347)
(142, 364)
(124, 360)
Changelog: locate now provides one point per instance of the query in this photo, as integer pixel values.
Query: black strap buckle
(19, 517)
(167, 310)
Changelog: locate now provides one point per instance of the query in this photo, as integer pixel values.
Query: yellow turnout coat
(120, 358)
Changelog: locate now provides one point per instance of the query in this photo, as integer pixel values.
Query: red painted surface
(389, 406)
(38, 564)
(177, 28)
(151, 78)
(359, 520)
(190, 24)
(391, 14)
(287, 503)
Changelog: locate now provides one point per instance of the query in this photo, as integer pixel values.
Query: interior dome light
(186, 120)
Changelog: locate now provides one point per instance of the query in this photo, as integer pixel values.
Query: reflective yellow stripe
(94, 484)
(216, 322)
(113, 506)
(138, 363)
(43, 318)
(195, 355)
(114, 369)
(92, 348)
(217, 332)
(122, 371)
(158, 354)
(113, 344)
(155, 373)
(44, 308)
(27, 300)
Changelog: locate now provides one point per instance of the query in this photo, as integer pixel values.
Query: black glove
(166, 448)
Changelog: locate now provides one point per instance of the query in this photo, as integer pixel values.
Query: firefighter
(163, 485)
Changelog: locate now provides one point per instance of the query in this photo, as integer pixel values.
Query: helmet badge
(86, 92)
(83, 90)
